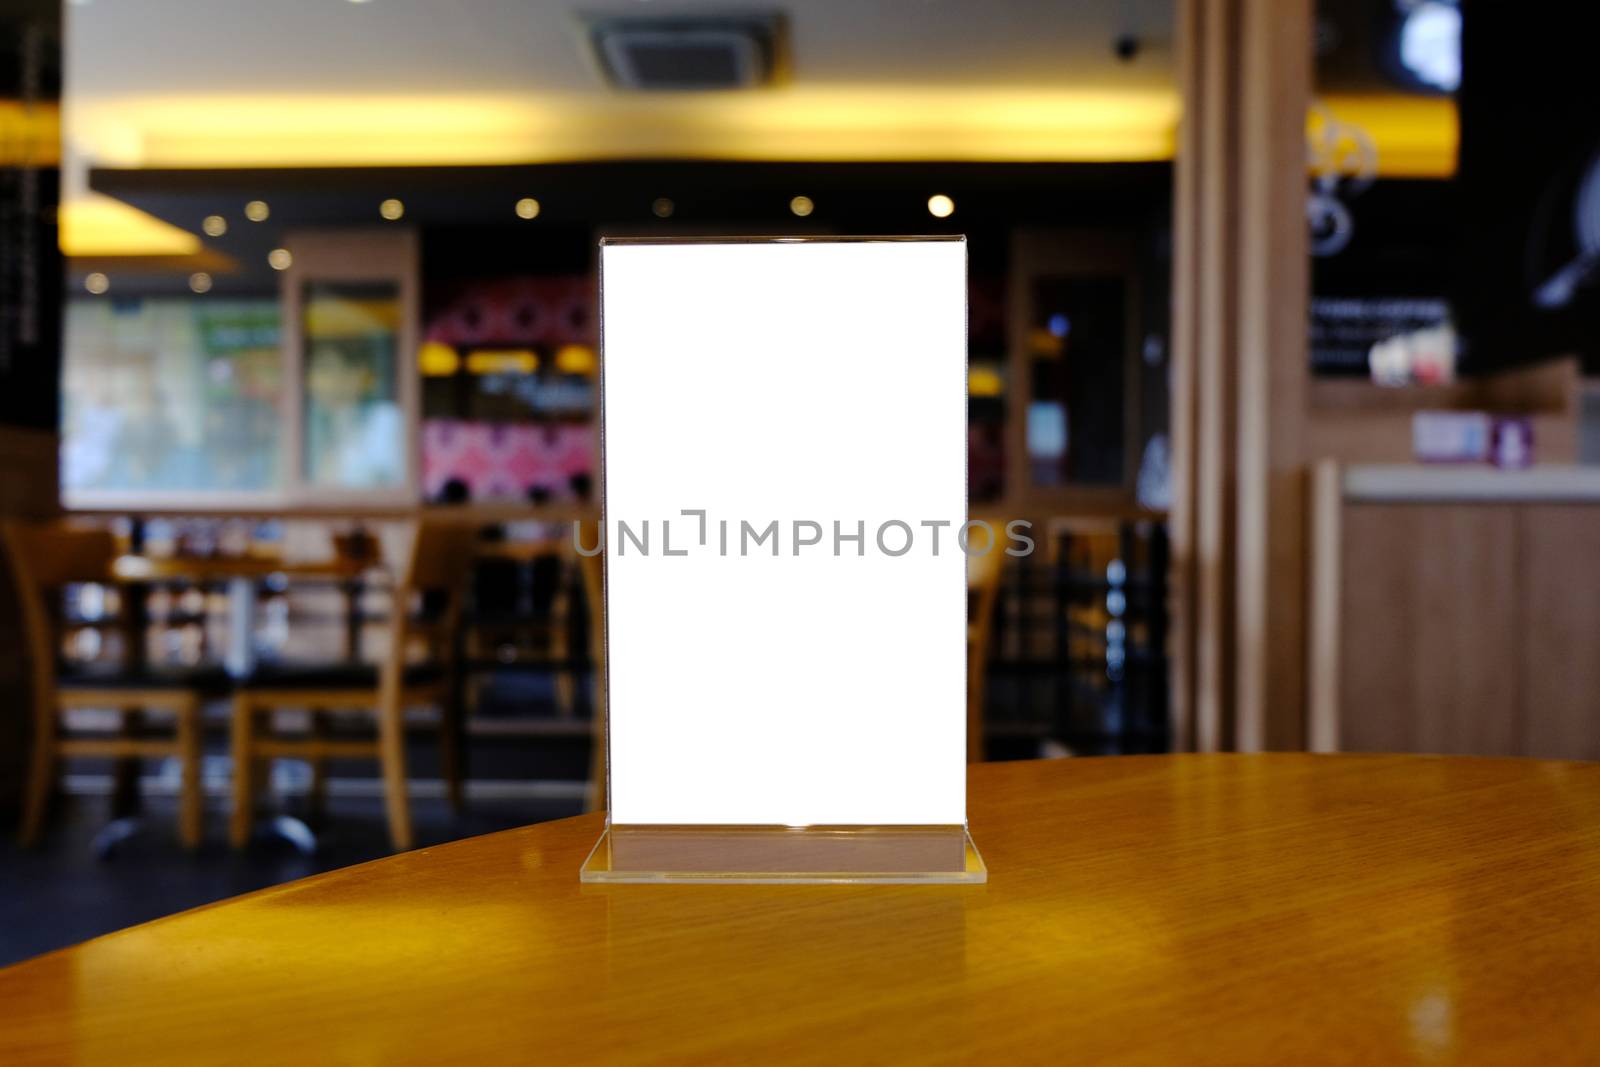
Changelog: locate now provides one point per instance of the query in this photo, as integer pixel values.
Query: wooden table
(1280, 909)
(241, 574)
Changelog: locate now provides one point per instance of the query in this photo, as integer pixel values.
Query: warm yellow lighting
(507, 361)
(96, 225)
(801, 206)
(941, 206)
(437, 360)
(96, 283)
(575, 359)
(200, 282)
(334, 317)
(984, 381)
(279, 259)
(391, 209)
(214, 225)
(30, 134)
(527, 208)
(836, 122)
(257, 211)
(1415, 136)
(662, 208)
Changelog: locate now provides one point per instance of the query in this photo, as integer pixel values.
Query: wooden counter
(1456, 610)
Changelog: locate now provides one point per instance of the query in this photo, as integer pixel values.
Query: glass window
(172, 394)
(355, 433)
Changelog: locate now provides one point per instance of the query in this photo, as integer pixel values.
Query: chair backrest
(441, 555)
(44, 557)
(983, 591)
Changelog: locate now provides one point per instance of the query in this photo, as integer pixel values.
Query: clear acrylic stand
(755, 855)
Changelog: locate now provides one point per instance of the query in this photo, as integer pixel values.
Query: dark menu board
(30, 181)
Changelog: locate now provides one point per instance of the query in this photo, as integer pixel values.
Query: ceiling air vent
(685, 53)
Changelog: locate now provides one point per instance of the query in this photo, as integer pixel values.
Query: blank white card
(785, 444)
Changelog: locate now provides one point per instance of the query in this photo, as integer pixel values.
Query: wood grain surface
(1207, 909)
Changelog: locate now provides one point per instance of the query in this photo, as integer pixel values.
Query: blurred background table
(241, 575)
(1195, 909)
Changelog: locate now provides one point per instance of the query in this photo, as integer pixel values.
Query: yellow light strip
(30, 134)
(502, 361)
(1416, 136)
(97, 226)
(826, 123)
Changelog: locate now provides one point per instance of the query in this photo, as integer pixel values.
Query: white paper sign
(767, 666)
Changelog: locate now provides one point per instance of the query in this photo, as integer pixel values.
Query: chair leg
(317, 797)
(191, 803)
(41, 779)
(450, 753)
(125, 798)
(244, 791)
(392, 755)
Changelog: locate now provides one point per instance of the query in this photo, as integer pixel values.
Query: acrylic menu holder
(794, 713)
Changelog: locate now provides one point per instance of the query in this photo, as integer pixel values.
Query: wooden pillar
(1240, 375)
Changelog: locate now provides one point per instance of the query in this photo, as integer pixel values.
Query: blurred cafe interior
(1284, 332)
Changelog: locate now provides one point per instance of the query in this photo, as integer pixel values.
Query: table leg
(240, 658)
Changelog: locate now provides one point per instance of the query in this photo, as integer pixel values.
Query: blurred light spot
(1060, 325)
(200, 281)
(1430, 44)
(575, 359)
(503, 361)
(984, 381)
(279, 259)
(437, 360)
(941, 206)
(802, 206)
(391, 209)
(663, 208)
(214, 225)
(257, 211)
(96, 283)
(527, 208)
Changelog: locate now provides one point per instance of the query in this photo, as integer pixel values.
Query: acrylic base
(780, 855)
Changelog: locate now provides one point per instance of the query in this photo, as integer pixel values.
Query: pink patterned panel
(502, 462)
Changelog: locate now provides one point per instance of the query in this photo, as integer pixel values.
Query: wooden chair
(435, 570)
(45, 558)
(983, 590)
(593, 568)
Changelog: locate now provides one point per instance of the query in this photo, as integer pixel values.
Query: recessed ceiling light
(527, 208)
(801, 206)
(940, 206)
(279, 259)
(96, 283)
(663, 208)
(257, 211)
(214, 225)
(391, 209)
(200, 282)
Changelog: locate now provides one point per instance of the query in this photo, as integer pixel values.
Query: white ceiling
(226, 47)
